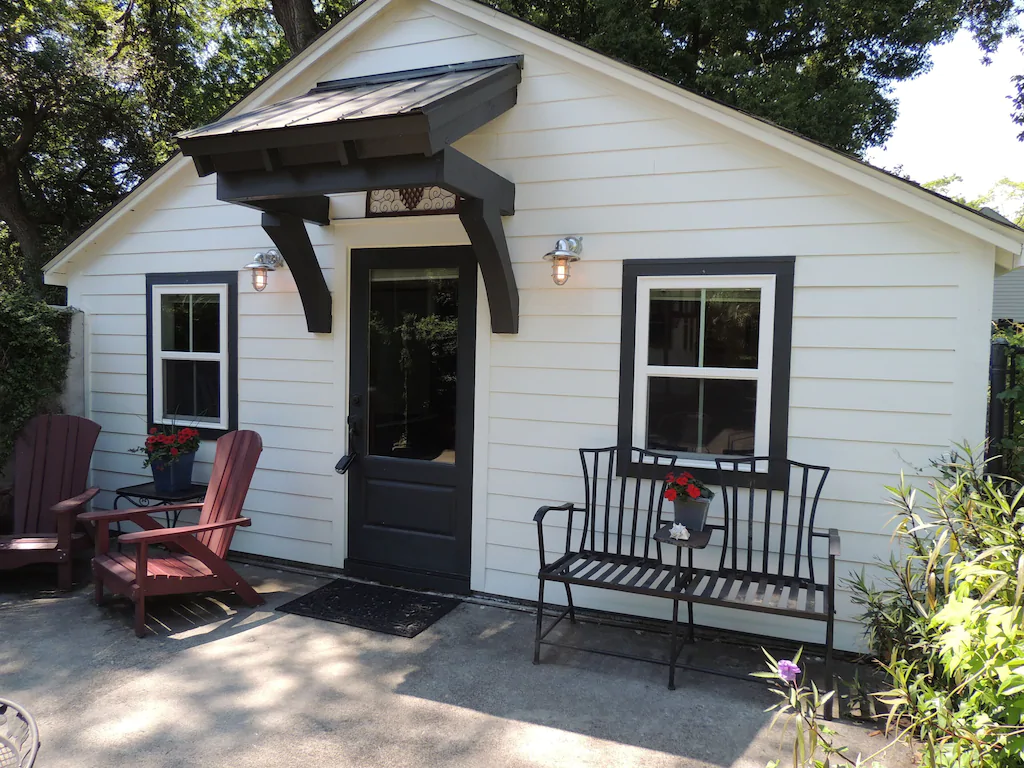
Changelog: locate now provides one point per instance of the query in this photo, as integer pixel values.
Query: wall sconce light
(261, 264)
(567, 250)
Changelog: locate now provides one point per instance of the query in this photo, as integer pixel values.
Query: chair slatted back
(622, 513)
(770, 532)
(51, 463)
(233, 466)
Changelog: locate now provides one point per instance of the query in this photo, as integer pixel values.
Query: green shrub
(947, 620)
(33, 362)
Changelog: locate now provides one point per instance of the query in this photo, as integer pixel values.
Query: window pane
(206, 322)
(191, 390)
(174, 320)
(730, 323)
(701, 415)
(731, 320)
(180, 311)
(674, 332)
(413, 353)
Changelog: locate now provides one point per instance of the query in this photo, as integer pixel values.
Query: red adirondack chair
(51, 469)
(195, 560)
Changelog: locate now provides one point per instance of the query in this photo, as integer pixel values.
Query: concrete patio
(219, 684)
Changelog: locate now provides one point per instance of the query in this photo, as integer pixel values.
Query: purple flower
(788, 671)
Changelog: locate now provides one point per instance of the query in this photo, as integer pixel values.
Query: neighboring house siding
(891, 315)
(1008, 298)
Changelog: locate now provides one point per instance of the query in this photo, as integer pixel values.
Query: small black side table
(697, 540)
(146, 495)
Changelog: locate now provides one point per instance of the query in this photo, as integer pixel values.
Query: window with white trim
(192, 350)
(705, 373)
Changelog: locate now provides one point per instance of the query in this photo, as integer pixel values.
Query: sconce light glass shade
(262, 265)
(567, 250)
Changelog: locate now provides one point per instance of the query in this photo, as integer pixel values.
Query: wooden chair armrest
(75, 502)
(113, 515)
(166, 534)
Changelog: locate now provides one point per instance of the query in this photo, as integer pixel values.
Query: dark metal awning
(389, 130)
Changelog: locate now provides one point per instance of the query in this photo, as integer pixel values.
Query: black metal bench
(766, 563)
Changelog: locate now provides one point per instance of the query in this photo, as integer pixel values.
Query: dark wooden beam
(289, 235)
(482, 221)
(448, 168)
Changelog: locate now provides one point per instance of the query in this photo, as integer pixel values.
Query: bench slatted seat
(768, 545)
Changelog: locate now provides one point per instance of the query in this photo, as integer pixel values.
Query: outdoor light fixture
(261, 264)
(567, 250)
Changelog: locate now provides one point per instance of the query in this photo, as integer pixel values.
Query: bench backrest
(622, 513)
(770, 532)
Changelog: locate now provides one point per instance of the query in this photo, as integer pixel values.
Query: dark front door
(411, 410)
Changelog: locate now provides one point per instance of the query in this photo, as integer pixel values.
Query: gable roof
(1007, 238)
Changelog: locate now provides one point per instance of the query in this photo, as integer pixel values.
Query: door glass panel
(413, 351)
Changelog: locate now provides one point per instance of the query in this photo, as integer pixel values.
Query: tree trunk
(298, 20)
(15, 215)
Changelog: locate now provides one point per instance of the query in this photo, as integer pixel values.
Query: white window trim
(762, 374)
(159, 355)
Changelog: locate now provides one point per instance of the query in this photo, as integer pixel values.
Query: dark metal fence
(1004, 424)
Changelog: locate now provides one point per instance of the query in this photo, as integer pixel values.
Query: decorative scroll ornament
(410, 201)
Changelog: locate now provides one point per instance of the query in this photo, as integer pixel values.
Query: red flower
(174, 451)
(693, 490)
(152, 430)
(670, 494)
(670, 477)
(182, 437)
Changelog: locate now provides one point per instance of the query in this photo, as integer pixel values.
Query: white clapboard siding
(890, 314)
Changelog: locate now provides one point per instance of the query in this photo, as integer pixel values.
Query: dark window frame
(782, 267)
(185, 279)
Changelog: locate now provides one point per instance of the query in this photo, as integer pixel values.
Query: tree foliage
(1006, 196)
(93, 91)
(33, 362)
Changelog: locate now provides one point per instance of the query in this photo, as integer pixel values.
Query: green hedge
(33, 362)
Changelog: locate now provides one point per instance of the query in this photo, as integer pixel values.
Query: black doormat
(371, 606)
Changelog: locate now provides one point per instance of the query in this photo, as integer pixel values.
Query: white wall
(890, 315)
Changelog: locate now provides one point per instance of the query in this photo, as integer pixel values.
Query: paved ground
(219, 684)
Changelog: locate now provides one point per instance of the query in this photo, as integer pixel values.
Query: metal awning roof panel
(414, 112)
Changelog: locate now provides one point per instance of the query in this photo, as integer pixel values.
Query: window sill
(708, 474)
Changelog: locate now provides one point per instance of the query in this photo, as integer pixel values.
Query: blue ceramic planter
(177, 476)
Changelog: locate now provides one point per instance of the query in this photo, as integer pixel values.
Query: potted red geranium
(691, 499)
(170, 454)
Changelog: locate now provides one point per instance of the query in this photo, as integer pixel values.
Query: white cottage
(740, 289)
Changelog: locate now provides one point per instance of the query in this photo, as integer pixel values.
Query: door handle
(355, 426)
(345, 462)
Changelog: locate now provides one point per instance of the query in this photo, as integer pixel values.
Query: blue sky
(956, 118)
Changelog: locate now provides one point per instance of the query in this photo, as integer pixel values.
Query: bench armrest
(167, 534)
(539, 516)
(74, 503)
(539, 519)
(833, 540)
